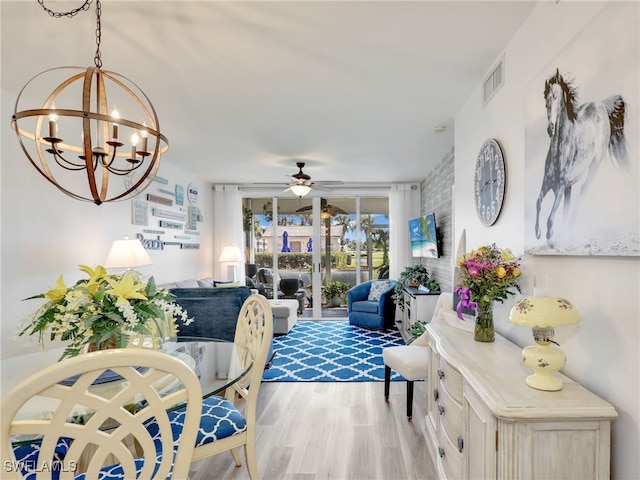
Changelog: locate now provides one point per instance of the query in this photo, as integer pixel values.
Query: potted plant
(334, 292)
(415, 276)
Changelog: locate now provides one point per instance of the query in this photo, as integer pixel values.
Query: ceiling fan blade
(305, 209)
(333, 210)
(327, 183)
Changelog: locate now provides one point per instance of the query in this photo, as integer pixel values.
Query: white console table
(483, 421)
(418, 306)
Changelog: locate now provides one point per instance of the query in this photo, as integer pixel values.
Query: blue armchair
(376, 311)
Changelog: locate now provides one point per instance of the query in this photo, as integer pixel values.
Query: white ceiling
(242, 89)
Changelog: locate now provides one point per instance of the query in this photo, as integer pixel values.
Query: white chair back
(143, 384)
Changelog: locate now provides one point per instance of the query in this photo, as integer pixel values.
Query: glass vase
(484, 331)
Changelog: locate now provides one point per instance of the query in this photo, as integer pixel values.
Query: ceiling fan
(326, 211)
(301, 183)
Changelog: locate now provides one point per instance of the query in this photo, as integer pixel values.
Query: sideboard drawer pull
(441, 452)
(436, 394)
(441, 409)
(460, 444)
(440, 374)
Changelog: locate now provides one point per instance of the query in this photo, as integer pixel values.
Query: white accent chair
(223, 426)
(149, 386)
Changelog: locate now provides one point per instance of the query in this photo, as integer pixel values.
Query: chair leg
(387, 382)
(409, 399)
(250, 456)
(236, 456)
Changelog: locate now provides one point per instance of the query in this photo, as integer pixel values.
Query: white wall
(45, 234)
(603, 350)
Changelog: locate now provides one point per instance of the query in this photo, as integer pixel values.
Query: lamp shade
(300, 189)
(127, 253)
(544, 312)
(231, 253)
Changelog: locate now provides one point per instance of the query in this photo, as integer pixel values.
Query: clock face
(489, 182)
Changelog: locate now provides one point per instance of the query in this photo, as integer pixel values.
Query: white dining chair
(412, 361)
(228, 423)
(122, 388)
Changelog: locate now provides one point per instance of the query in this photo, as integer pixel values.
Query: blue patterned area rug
(331, 351)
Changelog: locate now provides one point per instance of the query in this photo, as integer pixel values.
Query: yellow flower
(507, 254)
(126, 289)
(57, 293)
(500, 271)
(95, 276)
(515, 272)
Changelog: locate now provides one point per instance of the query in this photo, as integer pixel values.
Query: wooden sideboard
(483, 421)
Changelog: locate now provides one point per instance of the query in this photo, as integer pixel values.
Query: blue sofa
(214, 310)
(379, 314)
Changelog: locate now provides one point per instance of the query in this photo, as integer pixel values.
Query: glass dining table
(217, 363)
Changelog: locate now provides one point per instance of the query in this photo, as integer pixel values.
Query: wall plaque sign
(157, 212)
(167, 224)
(139, 212)
(166, 192)
(150, 244)
(179, 195)
(190, 246)
(192, 194)
(158, 199)
(161, 180)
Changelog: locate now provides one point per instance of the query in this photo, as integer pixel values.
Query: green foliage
(100, 307)
(417, 329)
(415, 273)
(335, 289)
(302, 260)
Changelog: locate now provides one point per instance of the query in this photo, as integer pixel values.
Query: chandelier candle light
(79, 129)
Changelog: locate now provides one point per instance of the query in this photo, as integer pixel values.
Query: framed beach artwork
(582, 182)
(422, 233)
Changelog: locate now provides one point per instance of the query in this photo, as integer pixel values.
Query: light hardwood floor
(341, 431)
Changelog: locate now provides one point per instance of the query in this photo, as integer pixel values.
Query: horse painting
(581, 138)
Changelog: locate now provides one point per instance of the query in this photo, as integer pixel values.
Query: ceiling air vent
(493, 81)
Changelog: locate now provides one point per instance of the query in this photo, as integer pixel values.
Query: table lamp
(231, 254)
(127, 253)
(542, 314)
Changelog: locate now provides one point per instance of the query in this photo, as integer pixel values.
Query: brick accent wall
(436, 196)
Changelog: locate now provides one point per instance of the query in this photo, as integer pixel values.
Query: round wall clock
(489, 182)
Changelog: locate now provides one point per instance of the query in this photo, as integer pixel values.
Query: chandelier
(80, 130)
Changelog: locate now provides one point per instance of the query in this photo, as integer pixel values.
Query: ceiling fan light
(300, 189)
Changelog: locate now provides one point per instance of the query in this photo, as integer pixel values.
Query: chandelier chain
(98, 57)
(71, 13)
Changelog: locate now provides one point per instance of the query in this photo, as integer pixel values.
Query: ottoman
(286, 313)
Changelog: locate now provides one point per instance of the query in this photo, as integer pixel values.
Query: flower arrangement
(103, 307)
(487, 274)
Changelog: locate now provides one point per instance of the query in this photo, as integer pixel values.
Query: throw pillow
(377, 289)
(229, 284)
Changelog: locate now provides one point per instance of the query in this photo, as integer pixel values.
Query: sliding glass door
(328, 244)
